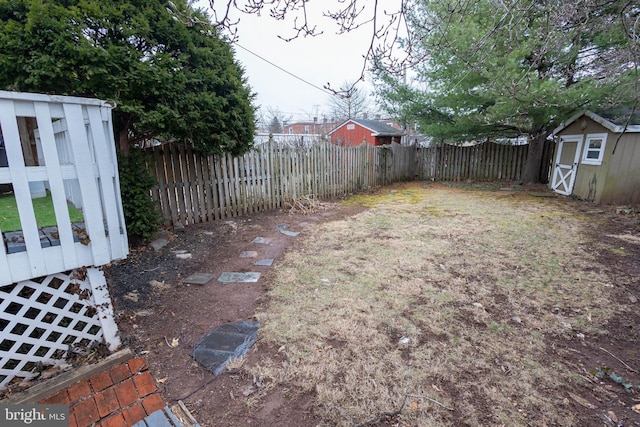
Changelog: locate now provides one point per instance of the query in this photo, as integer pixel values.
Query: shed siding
(617, 179)
(351, 138)
(590, 179)
(623, 178)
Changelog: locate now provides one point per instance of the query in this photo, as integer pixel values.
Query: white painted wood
(21, 190)
(92, 209)
(56, 185)
(107, 170)
(564, 173)
(66, 307)
(104, 306)
(19, 262)
(6, 276)
(76, 152)
(56, 99)
(119, 249)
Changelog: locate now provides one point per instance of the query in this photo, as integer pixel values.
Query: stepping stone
(52, 235)
(248, 254)
(199, 278)
(223, 344)
(15, 242)
(228, 277)
(267, 262)
(161, 240)
(261, 240)
(160, 418)
(289, 233)
(282, 226)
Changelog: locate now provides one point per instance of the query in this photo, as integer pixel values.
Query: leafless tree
(386, 22)
(391, 25)
(274, 120)
(350, 102)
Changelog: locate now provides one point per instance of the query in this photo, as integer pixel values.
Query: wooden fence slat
(207, 186)
(198, 177)
(216, 190)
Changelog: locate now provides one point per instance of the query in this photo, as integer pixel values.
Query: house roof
(378, 128)
(613, 120)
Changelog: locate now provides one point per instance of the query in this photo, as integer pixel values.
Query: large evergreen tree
(507, 68)
(170, 78)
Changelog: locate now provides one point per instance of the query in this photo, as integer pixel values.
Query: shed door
(564, 171)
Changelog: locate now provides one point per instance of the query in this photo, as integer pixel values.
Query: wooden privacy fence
(488, 161)
(483, 162)
(194, 188)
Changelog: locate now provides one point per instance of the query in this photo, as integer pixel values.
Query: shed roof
(377, 127)
(613, 120)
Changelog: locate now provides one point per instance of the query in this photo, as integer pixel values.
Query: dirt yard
(419, 304)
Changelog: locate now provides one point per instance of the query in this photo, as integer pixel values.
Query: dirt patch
(162, 318)
(418, 272)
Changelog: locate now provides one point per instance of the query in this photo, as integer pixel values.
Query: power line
(283, 70)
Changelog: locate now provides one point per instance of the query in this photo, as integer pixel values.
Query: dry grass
(440, 293)
(306, 205)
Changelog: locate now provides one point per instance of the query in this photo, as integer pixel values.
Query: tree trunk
(533, 165)
(123, 141)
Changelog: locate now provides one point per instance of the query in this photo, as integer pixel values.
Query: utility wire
(282, 69)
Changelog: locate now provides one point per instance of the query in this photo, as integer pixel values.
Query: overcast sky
(327, 58)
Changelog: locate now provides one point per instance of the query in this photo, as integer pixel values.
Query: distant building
(356, 131)
(314, 127)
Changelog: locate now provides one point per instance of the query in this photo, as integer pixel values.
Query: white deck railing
(74, 157)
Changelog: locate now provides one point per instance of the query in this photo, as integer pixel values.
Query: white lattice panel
(41, 318)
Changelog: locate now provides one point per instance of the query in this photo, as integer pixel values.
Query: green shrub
(140, 210)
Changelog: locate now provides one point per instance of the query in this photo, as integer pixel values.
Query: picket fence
(193, 188)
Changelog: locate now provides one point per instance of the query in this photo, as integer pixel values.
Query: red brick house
(308, 128)
(356, 131)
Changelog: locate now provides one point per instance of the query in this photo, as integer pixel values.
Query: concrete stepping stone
(289, 233)
(160, 418)
(230, 277)
(160, 241)
(248, 254)
(223, 344)
(261, 240)
(199, 279)
(267, 262)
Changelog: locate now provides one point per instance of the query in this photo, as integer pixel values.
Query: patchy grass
(43, 207)
(435, 294)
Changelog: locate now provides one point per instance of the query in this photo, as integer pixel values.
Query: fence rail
(194, 188)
